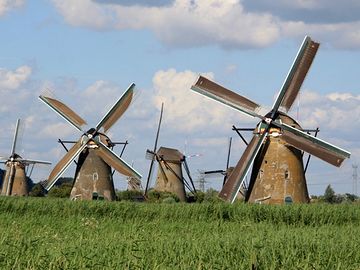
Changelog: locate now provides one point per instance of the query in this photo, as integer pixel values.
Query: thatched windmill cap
(170, 154)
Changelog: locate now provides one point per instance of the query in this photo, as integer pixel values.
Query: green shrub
(129, 195)
(37, 191)
(159, 196)
(62, 191)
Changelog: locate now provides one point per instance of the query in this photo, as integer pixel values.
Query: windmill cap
(170, 154)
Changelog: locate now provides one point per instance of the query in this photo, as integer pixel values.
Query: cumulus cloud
(339, 35)
(188, 111)
(183, 23)
(336, 113)
(10, 80)
(13, 84)
(227, 23)
(7, 5)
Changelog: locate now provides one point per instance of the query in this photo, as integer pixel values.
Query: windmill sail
(152, 153)
(64, 111)
(296, 75)
(93, 176)
(219, 93)
(64, 163)
(115, 161)
(117, 110)
(35, 161)
(314, 146)
(14, 181)
(13, 148)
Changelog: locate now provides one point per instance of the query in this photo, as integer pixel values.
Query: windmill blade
(228, 155)
(116, 162)
(214, 173)
(64, 111)
(149, 155)
(227, 161)
(34, 161)
(314, 146)
(158, 129)
(296, 75)
(117, 109)
(65, 162)
(15, 137)
(219, 93)
(237, 177)
(148, 152)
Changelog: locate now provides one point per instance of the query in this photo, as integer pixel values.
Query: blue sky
(86, 53)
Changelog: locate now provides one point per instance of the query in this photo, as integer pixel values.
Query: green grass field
(43, 233)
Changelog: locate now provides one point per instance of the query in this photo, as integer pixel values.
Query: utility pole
(355, 178)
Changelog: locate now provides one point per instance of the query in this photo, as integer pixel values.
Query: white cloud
(227, 23)
(7, 5)
(342, 96)
(85, 13)
(10, 80)
(184, 23)
(340, 35)
(187, 111)
(334, 112)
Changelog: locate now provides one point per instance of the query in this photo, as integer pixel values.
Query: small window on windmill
(288, 200)
(95, 176)
(287, 175)
(261, 173)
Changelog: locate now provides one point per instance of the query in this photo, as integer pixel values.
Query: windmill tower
(170, 162)
(14, 181)
(134, 183)
(93, 176)
(275, 148)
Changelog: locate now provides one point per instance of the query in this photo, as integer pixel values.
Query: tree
(351, 197)
(62, 191)
(37, 191)
(329, 195)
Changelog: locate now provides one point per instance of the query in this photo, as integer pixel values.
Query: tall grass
(298, 215)
(60, 234)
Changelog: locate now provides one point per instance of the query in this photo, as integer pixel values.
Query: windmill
(93, 176)
(275, 148)
(14, 181)
(225, 172)
(170, 161)
(133, 183)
